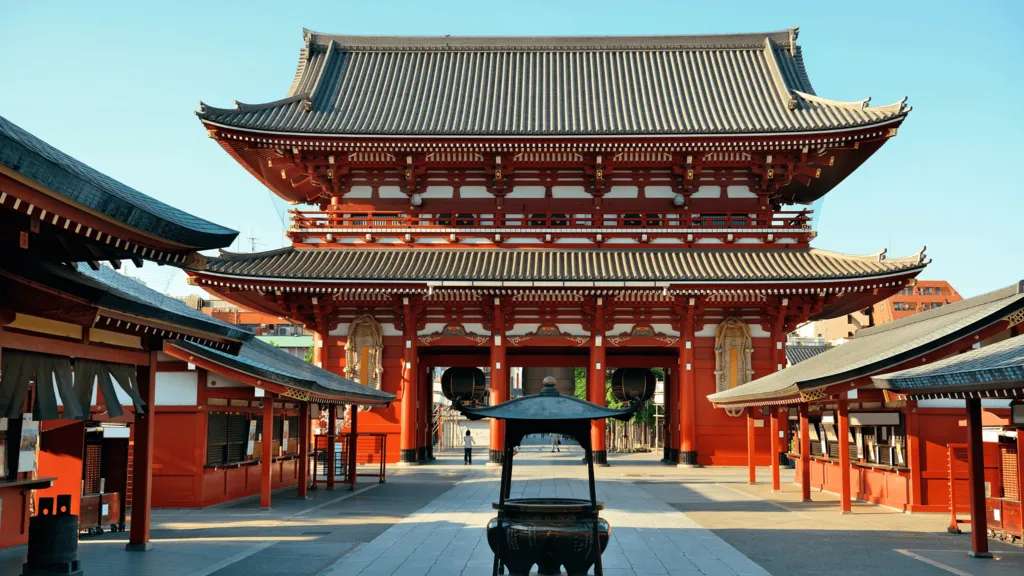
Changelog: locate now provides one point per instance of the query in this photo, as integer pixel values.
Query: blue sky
(116, 85)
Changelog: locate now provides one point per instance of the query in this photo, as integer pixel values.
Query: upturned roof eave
(533, 136)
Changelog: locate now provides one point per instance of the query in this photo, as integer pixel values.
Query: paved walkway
(649, 537)
(429, 520)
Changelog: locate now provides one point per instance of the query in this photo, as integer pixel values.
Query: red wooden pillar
(410, 385)
(267, 453)
(751, 447)
(353, 438)
(843, 416)
(303, 449)
(1020, 470)
(687, 391)
(596, 392)
(499, 381)
(332, 435)
(427, 394)
(805, 455)
(914, 454)
(976, 475)
(142, 473)
(773, 416)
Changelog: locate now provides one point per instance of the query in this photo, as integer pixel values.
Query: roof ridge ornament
(921, 256)
(793, 33)
(881, 255)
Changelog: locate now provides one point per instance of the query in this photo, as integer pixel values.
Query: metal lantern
(464, 384)
(633, 384)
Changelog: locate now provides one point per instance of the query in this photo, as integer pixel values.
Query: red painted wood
(805, 454)
(775, 449)
(267, 454)
(410, 383)
(353, 443)
(303, 465)
(687, 403)
(597, 370)
(976, 466)
(751, 448)
(499, 375)
(332, 437)
(142, 470)
(843, 416)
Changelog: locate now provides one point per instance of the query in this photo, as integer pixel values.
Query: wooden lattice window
(1011, 488)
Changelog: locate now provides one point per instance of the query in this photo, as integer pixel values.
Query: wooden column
(427, 395)
(142, 473)
(976, 476)
(267, 453)
(410, 386)
(596, 392)
(303, 449)
(773, 416)
(751, 447)
(332, 435)
(805, 455)
(914, 454)
(687, 390)
(843, 417)
(353, 445)
(499, 381)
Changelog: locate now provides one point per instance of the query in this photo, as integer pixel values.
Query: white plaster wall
(438, 192)
(739, 192)
(569, 192)
(622, 192)
(526, 192)
(474, 192)
(177, 388)
(707, 191)
(658, 192)
(358, 192)
(390, 192)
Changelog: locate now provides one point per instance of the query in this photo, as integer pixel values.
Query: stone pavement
(430, 520)
(649, 536)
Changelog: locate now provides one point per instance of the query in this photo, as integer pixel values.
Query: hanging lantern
(632, 384)
(466, 385)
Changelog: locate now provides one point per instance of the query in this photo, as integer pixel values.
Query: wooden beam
(59, 347)
(976, 475)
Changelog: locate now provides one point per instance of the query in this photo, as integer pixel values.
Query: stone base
(408, 457)
(421, 454)
(495, 456)
(671, 457)
(688, 459)
(601, 457)
(138, 547)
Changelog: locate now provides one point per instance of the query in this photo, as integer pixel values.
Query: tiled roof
(93, 191)
(874, 350)
(796, 353)
(262, 360)
(537, 86)
(523, 266)
(996, 366)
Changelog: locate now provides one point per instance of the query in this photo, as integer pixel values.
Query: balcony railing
(343, 221)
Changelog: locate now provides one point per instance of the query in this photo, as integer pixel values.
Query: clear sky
(115, 84)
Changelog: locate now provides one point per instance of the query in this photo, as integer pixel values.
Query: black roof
(91, 190)
(265, 361)
(105, 288)
(877, 349)
(995, 370)
(547, 406)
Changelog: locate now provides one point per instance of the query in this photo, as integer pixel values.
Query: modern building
(554, 202)
(919, 296)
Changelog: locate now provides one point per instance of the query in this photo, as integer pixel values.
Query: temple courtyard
(429, 520)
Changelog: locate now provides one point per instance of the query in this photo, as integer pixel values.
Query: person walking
(556, 443)
(467, 444)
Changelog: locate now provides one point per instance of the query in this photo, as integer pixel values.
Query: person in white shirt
(467, 443)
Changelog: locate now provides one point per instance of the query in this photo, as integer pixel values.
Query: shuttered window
(226, 439)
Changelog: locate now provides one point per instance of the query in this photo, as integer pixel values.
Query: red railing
(326, 221)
